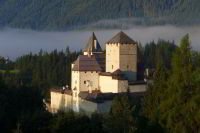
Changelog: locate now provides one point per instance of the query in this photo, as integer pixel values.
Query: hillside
(68, 14)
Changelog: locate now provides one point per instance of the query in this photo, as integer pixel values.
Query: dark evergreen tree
(173, 100)
(179, 109)
(120, 119)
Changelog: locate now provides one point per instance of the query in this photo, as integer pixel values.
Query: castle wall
(128, 57)
(87, 106)
(123, 57)
(112, 57)
(75, 80)
(83, 81)
(128, 60)
(65, 102)
(90, 107)
(109, 85)
(60, 101)
(122, 86)
(137, 88)
(92, 77)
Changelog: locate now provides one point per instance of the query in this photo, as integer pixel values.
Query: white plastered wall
(89, 76)
(112, 57)
(109, 85)
(123, 57)
(75, 80)
(60, 101)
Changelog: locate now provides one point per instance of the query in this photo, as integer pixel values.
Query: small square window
(84, 82)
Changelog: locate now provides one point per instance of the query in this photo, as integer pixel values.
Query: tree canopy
(174, 99)
(69, 14)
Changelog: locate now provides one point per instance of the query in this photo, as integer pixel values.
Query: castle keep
(98, 76)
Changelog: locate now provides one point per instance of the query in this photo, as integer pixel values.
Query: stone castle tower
(121, 53)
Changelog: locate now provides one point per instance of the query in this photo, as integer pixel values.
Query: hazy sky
(15, 42)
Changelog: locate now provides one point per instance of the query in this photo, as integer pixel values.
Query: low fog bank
(15, 42)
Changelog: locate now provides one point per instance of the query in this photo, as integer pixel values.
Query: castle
(98, 76)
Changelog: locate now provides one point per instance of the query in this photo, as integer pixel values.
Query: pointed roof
(121, 38)
(91, 45)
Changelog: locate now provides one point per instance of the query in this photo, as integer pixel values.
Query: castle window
(84, 82)
(112, 66)
(75, 81)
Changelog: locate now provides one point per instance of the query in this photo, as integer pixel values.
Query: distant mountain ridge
(69, 14)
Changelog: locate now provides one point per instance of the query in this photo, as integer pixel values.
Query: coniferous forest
(170, 105)
(72, 14)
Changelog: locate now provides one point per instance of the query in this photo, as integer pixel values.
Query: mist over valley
(17, 42)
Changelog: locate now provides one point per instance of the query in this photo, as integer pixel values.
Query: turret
(93, 46)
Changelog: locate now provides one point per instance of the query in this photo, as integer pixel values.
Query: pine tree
(155, 92)
(173, 100)
(179, 109)
(120, 119)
